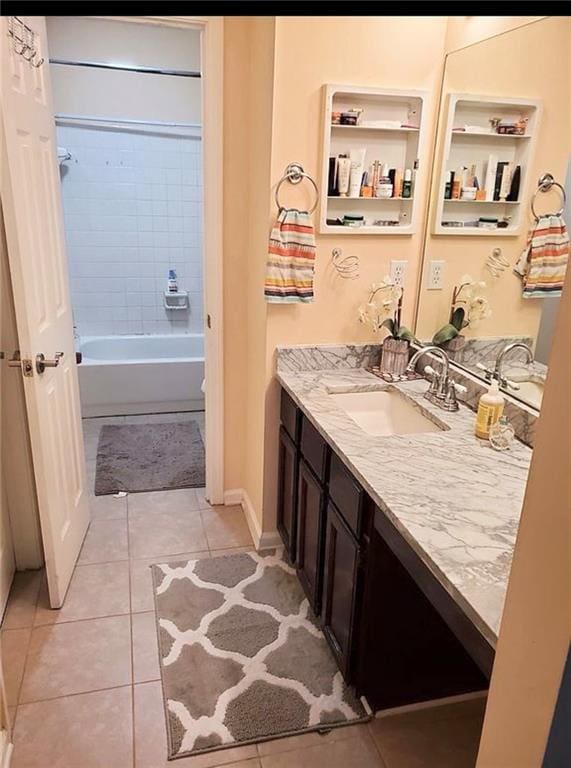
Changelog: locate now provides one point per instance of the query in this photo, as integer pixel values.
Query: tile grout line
(74, 693)
(26, 657)
(384, 763)
(84, 618)
(133, 745)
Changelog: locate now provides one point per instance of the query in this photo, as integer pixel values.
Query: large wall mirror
(504, 123)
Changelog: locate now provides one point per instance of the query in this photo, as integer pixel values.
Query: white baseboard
(6, 749)
(458, 699)
(234, 496)
(261, 540)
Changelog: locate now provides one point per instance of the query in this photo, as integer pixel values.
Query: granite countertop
(454, 499)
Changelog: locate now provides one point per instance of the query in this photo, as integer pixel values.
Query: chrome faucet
(497, 374)
(442, 390)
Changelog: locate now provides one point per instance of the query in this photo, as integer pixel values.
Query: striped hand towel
(543, 263)
(291, 258)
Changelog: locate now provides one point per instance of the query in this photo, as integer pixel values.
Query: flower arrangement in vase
(384, 310)
(468, 307)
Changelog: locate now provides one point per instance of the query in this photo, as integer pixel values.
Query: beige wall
(262, 137)
(354, 51)
(536, 624)
(345, 50)
(275, 100)
(248, 93)
(235, 238)
(109, 93)
(504, 66)
(467, 30)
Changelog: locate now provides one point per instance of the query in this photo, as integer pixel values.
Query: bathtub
(141, 374)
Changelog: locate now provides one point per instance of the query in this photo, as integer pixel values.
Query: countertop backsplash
(313, 357)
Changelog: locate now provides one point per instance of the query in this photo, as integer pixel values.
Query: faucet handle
(488, 372)
(450, 401)
(509, 383)
(433, 378)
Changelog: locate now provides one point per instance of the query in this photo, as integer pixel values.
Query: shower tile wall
(133, 210)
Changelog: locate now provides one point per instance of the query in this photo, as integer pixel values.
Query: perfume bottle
(501, 434)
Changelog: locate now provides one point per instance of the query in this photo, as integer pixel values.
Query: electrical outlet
(398, 270)
(435, 275)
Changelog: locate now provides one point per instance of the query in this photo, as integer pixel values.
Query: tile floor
(83, 683)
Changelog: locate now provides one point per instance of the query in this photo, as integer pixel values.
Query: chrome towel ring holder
(545, 184)
(294, 173)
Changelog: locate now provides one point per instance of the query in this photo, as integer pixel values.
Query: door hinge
(208, 321)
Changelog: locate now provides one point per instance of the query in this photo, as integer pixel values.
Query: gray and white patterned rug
(242, 657)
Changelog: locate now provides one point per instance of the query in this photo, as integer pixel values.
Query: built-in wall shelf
(490, 135)
(399, 146)
(484, 202)
(402, 129)
(484, 158)
(360, 200)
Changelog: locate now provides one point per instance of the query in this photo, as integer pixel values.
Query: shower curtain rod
(128, 68)
(94, 119)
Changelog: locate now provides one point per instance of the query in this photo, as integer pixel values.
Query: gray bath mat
(242, 658)
(149, 457)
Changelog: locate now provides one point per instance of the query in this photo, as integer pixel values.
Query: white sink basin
(531, 390)
(384, 412)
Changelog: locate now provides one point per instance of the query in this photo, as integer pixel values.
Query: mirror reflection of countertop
(454, 498)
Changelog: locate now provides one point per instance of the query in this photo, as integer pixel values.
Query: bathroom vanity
(403, 555)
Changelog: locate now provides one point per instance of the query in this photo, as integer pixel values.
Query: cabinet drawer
(314, 449)
(290, 416)
(347, 495)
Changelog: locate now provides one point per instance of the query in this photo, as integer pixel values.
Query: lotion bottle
(343, 171)
(357, 158)
(490, 408)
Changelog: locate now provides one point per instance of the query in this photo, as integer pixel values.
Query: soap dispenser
(490, 408)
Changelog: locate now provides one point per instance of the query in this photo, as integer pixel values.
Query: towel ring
(294, 173)
(545, 183)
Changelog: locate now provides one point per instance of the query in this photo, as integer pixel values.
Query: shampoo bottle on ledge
(490, 408)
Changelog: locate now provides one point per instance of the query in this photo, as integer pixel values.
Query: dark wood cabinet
(290, 417)
(347, 495)
(341, 588)
(288, 463)
(407, 652)
(310, 511)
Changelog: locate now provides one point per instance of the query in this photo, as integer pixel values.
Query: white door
(34, 231)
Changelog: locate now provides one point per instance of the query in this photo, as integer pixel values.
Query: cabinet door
(310, 511)
(287, 493)
(340, 590)
(407, 652)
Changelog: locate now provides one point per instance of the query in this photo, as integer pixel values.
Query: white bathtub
(141, 374)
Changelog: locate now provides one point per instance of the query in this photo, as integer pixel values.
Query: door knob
(42, 363)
